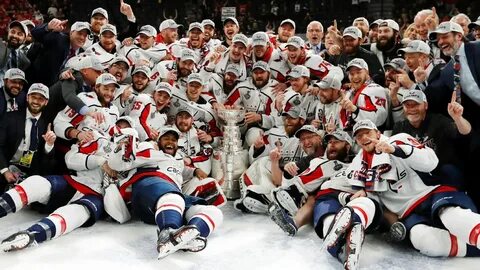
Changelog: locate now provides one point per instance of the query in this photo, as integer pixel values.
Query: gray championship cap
(445, 27)
(28, 23)
(240, 38)
(39, 88)
(475, 24)
(127, 119)
(100, 11)
(261, 65)
(168, 129)
(308, 128)
(15, 74)
(195, 77)
(397, 64)
(233, 68)
(143, 69)
(22, 26)
(260, 39)
(295, 112)
(106, 79)
(416, 46)
(415, 95)
(332, 80)
(231, 19)
(79, 26)
(108, 28)
(148, 30)
(299, 71)
(296, 41)
(195, 25)
(357, 62)
(363, 124)
(376, 23)
(208, 22)
(186, 109)
(187, 54)
(163, 86)
(168, 24)
(352, 31)
(390, 23)
(83, 61)
(288, 21)
(339, 135)
(120, 58)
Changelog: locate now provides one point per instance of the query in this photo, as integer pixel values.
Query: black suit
(20, 100)
(12, 131)
(22, 60)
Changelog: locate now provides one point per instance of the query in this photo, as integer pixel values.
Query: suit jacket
(48, 63)
(22, 60)
(439, 91)
(21, 101)
(12, 131)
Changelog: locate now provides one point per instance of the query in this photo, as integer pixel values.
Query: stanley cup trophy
(233, 156)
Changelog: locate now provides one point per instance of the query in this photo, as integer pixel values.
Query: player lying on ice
(154, 189)
(441, 220)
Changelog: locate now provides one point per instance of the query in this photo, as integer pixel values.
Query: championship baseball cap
(353, 32)
(376, 23)
(444, 28)
(240, 38)
(79, 26)
(106, 79)
(339, 135)
(168, 129)
(233, 68)
(295, 112)
(28, 23)
(195, 77)
(120, 58)
(166, 24)
(100, 11)
(83, 61)
(186, 109)
(415, 95)
(260, 39)
(416, 46)
(299, 71)
(332, 80)
(231, 19)
(187, 54)
(363, 124)
(397, 64)
(390, 23)
(163, 86)
(148, 30)
(142, 68)
(195, 25)
(474, 24)
(127, 119)
(296, 41)
(39, 88)
(208, 22)
(363, 19)
(288, 21)
(15, 74)
(357, 62)
(22, 26)
(261, 65)
(307, 128)
(110, 28)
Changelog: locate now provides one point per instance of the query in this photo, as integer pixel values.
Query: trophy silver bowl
(231, 148)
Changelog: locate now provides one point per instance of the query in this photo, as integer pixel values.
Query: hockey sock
(205, 217)
(364, 210)
(436, 242)
(169, 214)
(462, 223)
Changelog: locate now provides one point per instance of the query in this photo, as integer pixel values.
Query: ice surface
(242, 242)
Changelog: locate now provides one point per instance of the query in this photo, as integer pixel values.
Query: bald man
(315, 37)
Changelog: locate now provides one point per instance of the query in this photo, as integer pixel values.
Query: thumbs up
(49, 136)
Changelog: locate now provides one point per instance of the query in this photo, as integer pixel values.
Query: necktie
(71, 54)
(13, 59)
(33, 135)
(456, 78)
(13, 104)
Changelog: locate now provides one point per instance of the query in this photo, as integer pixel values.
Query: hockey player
(258, 181)
(107, 46)
(148, 111)
(175, 72)
(263, 50)
(287, 210)
(156, 197)
(256, 97)
(286, 30)
(195, 41)
(385, 170)
(205, 117)
(230, 29)
(193, 146)
(209, 33)
(366, 99)
(125, 96)
(220, 86)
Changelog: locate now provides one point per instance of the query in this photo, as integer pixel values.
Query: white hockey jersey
(146, 117)
(200, 153)
(103, 56)
(161, 71)
(318, 67)
(393, 177)
(291, 149)
(200, 53)
(331, 113)
(69, 118)
(276, 62)
(372, 102)
(137, 55)
(208, 68)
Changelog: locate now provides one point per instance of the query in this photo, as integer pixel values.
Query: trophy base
(231, 189)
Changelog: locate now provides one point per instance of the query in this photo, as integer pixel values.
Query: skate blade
(182, 239)
(255, 206)
(285, 200)
(20, 242)
(354, 247)
(277, 216)
(342, 222)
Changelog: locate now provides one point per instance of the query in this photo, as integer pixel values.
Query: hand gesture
(57, 25)
(382, 146)
(275, 154)
(127, 93)
(49, 136)
(214, 57)
(346, 103)
(204, 136)
(431, 21)
(279, 101)
(334, 50)
(128, 42)
(85, 137)
(279, 88)
(10, 177)
(98, 116)
(291, 168)
(172, 75)
(153, 134)
(251, 117)
(126, 9)
(404, 80)
(455, 109)
(67, 75)
(316, 123)
(358, 194)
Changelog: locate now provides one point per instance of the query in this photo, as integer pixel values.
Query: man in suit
(462, 75)
(10, 54)
(12, 96)
(315, 36)
(25, 139)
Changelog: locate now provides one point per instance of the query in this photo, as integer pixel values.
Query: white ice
(243, 242)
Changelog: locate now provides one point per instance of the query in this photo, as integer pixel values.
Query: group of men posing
(128, 123)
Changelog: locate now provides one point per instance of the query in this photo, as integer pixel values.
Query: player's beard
(34, 110)
(260, 83)
(338, 154)
(386, 45)
(13, 43)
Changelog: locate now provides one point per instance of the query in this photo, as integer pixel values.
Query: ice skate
(171, 240)
(290, 198)
(354, 246)
(282, 219)
(338, 228)
(18, 241)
